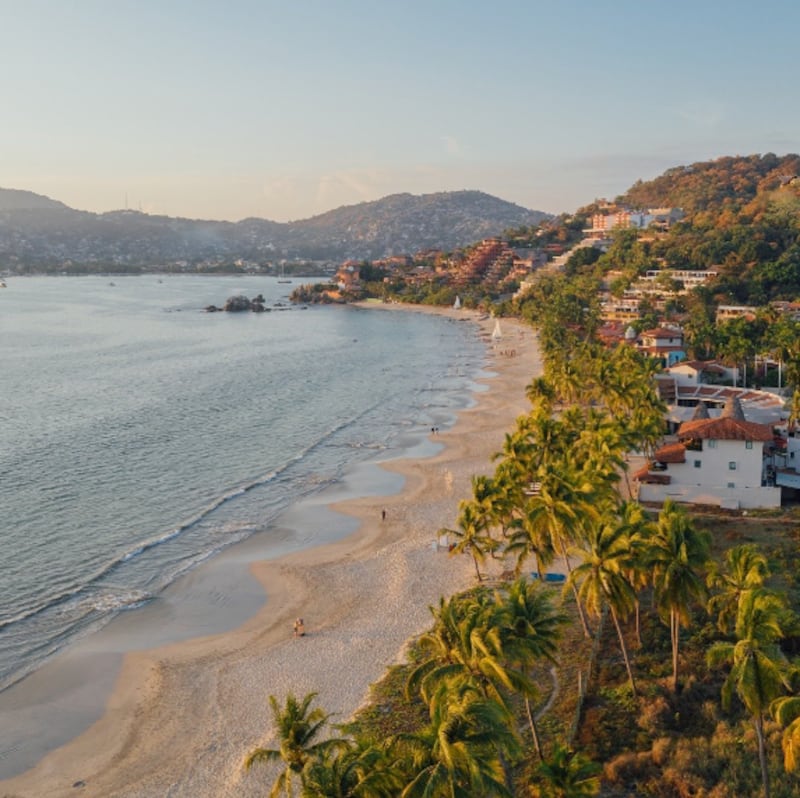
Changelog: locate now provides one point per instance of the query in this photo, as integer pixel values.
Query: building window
(712, 444)
(748, 444)
(697, 463)
(731, 485)
(732, 465)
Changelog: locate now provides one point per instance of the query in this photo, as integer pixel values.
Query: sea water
(141, 436)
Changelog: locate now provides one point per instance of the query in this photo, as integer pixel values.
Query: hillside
(725, 183)
(15, 200)
(37, 233)
(741, 219)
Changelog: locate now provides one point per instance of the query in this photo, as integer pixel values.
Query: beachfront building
(723, 461)
(686, 384)
(786, 461)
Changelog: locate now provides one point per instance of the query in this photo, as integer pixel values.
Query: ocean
(140, 436)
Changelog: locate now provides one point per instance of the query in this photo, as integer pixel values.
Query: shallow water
(140, 437)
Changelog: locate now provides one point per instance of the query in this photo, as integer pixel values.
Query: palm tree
(491, 500)
(744, 568)
(540, 391)
(638, 529)
(297, 726)
(564, 507)
(759, 673)
(786, 710)
(359, 771)
(530, 536)
(465, 647)
(567, 774)
(602, 446)
(530, 628)
(472, 535)
(459, 755)
(676, 554)
(602, 577)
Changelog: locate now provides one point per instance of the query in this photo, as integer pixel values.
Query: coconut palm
(743, 568)
(530, 628)
(564, 506)
(472, 535)
(786, 710)
(639, 530)
(759, 672)
(601, 446)
(602, 578)
(677, 553)
(492, 502)
(465, 647)
(530, 536)
(567, 774)
(460, 754)
(540, 391)
(298, 728)
(356, 772)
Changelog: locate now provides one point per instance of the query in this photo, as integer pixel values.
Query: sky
(284, 109)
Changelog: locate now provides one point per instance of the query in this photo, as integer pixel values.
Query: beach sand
(181, 718)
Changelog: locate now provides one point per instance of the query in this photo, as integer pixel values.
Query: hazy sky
(285, 109)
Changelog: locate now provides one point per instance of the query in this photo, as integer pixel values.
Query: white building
(721, 461)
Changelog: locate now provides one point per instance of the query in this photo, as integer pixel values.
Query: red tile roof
(725, 429)
(671, 453)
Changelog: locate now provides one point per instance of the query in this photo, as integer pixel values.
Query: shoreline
(182, 716)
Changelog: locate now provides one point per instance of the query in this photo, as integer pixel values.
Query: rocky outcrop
(240, 304)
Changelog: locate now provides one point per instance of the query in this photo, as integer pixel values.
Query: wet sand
(181, 717)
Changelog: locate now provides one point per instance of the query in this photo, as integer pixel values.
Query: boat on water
(457, 303)
(497, 333)
(283, 278)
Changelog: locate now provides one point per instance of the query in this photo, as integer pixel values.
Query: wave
(112, 605)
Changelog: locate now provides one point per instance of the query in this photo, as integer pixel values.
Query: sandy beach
(181, 717)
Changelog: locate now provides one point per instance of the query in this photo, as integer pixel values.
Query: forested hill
(730, 183)
(741, 219)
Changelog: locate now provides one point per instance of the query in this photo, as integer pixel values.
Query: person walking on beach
(383, 515)
(299, 629)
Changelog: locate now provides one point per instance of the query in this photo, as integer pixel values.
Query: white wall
(714, 482)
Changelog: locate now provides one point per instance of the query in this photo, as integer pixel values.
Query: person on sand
(299, 629)
(383, 515)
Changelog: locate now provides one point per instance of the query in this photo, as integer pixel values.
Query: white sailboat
(457, 303)
(497, 333)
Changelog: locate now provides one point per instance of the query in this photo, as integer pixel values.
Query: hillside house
(663, 343)
(725, 312)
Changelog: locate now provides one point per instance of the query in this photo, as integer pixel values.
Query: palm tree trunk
(674, 628)
(536, 744)
(581, 613)
(477, 570)
(624, 651)
(762, 753)
(638, 620)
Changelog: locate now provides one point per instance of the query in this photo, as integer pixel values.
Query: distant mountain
(12, 199)
(37, 232)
